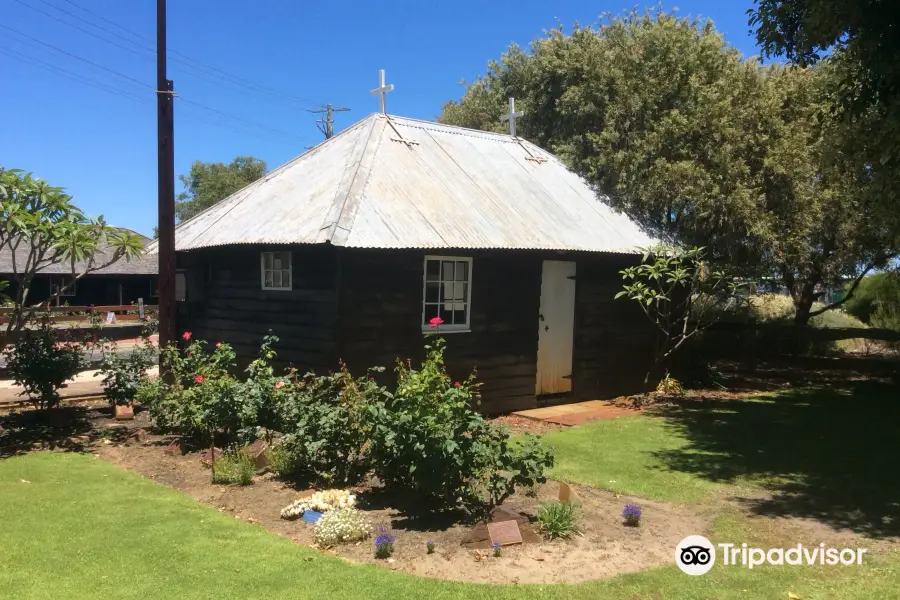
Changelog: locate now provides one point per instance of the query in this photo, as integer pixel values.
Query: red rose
(435, 321)
(186, 335)
(199, 379)
(455, 384)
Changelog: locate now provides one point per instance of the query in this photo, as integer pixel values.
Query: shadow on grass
(67, 428)
(826, 454)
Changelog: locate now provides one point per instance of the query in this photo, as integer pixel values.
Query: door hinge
(570, 276)
(569, 376)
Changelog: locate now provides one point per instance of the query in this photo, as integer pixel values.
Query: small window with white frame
(58, 283)
(447, 293)
(276, 270)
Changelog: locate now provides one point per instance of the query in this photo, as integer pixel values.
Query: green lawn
(828, 454)
(80, 528)
(623, 455)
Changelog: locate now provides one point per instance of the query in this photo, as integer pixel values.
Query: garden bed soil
(606, 546)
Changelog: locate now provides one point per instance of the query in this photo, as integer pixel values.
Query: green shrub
(282, 460)
(669, 386)
(876, 293)
(558, 519)
(767, 308)
(326, 426)
(835, 318)
(886, 318)
(340, 526)
(41, 362)
(233, 466)
(430, 441)
(122, 373)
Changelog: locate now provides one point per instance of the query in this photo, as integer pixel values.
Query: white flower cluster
(320, 501)
(341, 525)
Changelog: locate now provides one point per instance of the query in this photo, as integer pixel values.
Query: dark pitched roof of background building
(142, 265)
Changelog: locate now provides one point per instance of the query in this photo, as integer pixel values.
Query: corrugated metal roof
(393, 182)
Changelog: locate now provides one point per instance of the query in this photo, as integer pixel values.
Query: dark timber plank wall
(613, 338)
(226, 303)
(381, 309)
(378, 295)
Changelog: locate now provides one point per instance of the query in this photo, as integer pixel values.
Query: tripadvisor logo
(696, 555)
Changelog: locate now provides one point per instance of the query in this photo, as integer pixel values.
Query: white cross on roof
(511, 117)
(382, 89)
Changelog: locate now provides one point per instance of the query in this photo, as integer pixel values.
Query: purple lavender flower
(429, 547)
(384, 541)
(497, 548)
(632, 515)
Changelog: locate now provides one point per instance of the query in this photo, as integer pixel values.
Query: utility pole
(165, 128)
(326, 125)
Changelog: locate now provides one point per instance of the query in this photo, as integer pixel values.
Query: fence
(76, 315)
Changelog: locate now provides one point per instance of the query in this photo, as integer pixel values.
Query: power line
(82, 29)
(236, 118)
(79, 78)
(84, 60)
(151, 49)
(71, 75)
(117, 73)
(209, 69)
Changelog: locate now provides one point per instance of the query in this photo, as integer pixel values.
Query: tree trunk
(803, 302)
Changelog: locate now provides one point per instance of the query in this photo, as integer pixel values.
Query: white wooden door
(556, 328)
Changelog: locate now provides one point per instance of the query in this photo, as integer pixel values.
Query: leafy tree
(861, 40)
(208, 183)
(699, 146)
(680, 295)
(820, 221)
(40, 226)
(877, 299)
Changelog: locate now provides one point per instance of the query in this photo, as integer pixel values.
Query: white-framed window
(57, 283)
(447, 293)
(275, 270)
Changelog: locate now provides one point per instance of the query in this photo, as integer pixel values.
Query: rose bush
(326, 426)
(429, 440)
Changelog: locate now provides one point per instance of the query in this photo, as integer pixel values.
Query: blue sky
(101, 144)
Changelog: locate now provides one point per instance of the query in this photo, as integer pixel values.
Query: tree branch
(852, 289)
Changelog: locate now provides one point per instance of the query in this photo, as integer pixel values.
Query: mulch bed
(605, 547)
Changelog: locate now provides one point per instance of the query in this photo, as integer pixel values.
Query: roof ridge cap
(360, 158)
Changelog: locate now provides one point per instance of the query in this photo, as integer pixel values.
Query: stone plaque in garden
(139, 436)
(257, 450)
(505, 533)
(207, 455)
(124, 412)
(173, 447)
(567, 494)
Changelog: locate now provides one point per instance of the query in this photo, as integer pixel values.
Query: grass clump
(557, 520)
(233, 466)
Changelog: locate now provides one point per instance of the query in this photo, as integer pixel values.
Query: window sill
(267, 289)
(430, 329)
